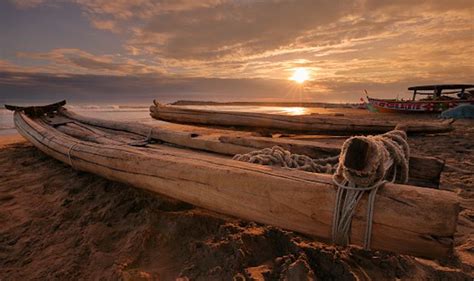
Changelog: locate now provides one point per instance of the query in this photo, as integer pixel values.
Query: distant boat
(436, 101)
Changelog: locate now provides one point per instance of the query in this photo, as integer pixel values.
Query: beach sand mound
(61, 224)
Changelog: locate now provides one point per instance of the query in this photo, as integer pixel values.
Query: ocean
(140, 113)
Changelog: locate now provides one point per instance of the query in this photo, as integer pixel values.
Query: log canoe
(301, 124)
(407, 219)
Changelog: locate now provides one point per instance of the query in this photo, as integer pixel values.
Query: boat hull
(434, 106)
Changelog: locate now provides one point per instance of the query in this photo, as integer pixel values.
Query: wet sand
(61, 224)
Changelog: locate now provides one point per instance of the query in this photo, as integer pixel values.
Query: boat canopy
(437, 89)
(442, 87)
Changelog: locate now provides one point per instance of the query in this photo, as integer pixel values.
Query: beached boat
(300, 124)
(436, 101)
(407, 219)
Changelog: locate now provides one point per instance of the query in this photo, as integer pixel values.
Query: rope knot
(386, 157)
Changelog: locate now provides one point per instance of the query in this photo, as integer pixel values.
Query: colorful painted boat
(437, 101)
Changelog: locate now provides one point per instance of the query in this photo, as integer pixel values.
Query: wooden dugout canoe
(274, 123)
(407, 219)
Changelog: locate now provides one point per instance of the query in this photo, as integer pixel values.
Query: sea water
(141, 113)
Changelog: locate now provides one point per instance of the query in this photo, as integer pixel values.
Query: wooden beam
(302, 124)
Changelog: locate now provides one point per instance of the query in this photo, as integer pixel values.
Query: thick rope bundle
(389, 154)
(277, 156)
(387, 150)
(389, 158)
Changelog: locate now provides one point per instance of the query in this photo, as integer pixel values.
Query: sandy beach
(62, 224)
(236, 140)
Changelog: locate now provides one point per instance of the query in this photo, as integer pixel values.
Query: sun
(300, 75)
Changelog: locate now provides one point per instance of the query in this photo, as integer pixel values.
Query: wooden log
(303, 124)
(407, 219)
(424, 171)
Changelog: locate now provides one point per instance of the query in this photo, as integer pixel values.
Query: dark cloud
(91, 63)
(14, 86)
(143, 89)
(78, 61)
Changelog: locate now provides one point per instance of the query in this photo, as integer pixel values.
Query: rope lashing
(148, 138)
(69, 154)
(389, 154)
(143, 142)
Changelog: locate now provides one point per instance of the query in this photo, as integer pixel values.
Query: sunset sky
(136, 50)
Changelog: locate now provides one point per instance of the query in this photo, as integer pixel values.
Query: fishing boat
(436, 100)
(196, 167)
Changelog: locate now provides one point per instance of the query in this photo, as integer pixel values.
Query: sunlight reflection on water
(295, 110)
(290, 110)
(141, 113)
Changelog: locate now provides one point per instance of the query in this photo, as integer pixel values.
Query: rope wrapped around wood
(388, 158)
(277, 156)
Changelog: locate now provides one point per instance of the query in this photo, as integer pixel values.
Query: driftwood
(424, 171)
(304, 124)
(407, 219)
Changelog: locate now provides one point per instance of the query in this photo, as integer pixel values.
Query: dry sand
(61, 224)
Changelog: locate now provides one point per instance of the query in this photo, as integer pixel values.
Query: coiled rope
(277, 156)
(388, 157)
(69, 155)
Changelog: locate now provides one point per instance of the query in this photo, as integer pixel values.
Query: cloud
(144, 88)
(348, 45)
(109, 25)
(81, 62)
(26, 4)
(204, 30)
(233, 29)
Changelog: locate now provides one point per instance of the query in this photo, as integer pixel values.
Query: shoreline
(282, 104)
(12, 138)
